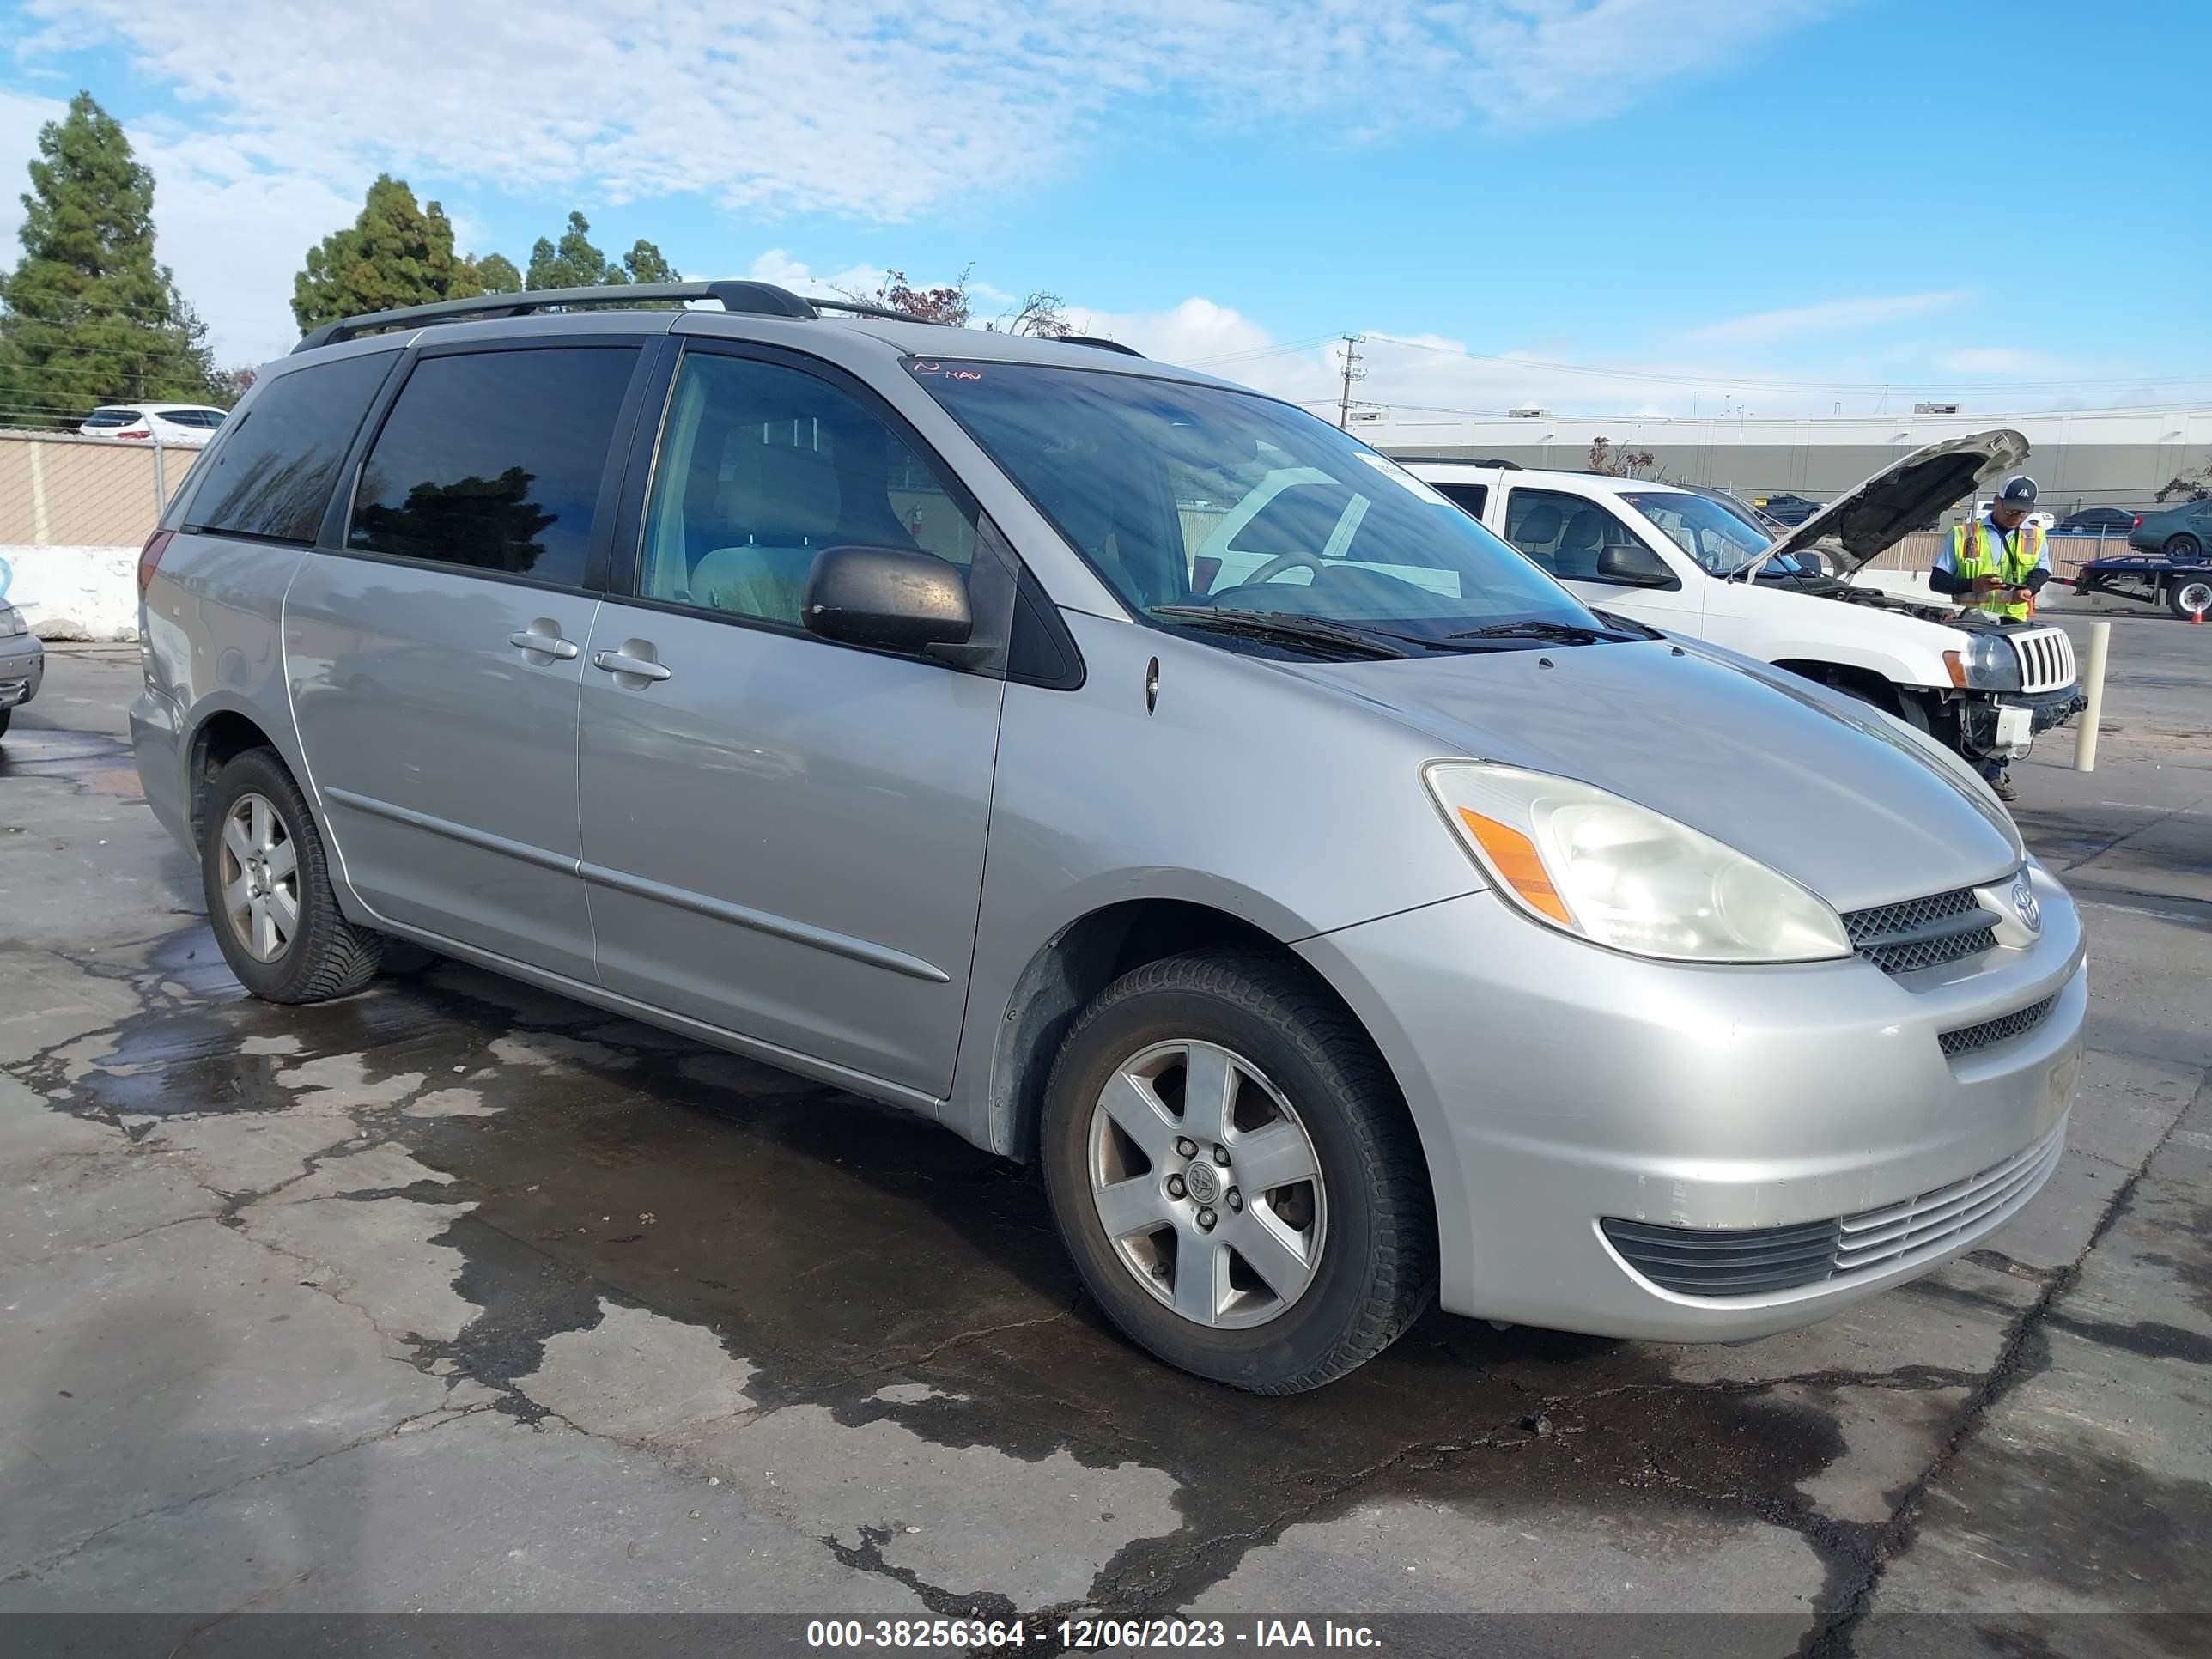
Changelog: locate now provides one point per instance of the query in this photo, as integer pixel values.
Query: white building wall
(2092, 457)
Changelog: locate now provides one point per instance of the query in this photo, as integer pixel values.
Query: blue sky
(1600, 205)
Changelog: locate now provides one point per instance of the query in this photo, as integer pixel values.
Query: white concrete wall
(75, 592)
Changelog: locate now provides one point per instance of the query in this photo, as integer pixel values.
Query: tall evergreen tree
(396, 253)
(89, 315)
(575, 262)
(572, 262)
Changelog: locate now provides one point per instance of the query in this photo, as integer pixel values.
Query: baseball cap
(2018, 490)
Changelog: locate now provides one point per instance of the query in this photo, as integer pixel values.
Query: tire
(319, 954)
(1364, 1226)
(2182, 548)
(6, 714)
(2189, 595)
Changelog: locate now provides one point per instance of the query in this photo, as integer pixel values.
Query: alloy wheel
(1207, 1185)
(260, 878)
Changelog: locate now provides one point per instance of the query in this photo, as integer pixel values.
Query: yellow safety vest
(1972, 558)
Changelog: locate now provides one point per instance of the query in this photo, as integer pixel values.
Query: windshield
(1718, 537)
(1190, 500)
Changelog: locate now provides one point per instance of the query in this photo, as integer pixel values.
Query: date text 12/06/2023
(1088, 1635)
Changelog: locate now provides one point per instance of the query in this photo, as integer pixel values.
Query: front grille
(1969, 1038)
(1922, 932)
(2046, 659)
(1757, 1260)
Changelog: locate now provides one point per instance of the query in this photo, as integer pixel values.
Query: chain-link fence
(73, 512)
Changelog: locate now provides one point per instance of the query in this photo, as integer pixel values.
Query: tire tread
(330, 956)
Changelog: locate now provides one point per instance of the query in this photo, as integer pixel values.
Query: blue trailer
(2185, 586)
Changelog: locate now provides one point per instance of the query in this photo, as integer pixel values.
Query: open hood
(1907, 494)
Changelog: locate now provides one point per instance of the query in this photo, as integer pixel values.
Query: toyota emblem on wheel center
(2024, 904)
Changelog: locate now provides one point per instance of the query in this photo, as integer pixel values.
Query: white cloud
(1829, 317)
(872, 107)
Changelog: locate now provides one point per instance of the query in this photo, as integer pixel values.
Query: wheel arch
(1855, 678)
(1081, 960)
(220, 735)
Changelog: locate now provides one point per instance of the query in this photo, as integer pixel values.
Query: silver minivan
(1338, 914)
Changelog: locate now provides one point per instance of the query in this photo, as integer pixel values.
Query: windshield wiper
(1534, 629)
(1285, 625)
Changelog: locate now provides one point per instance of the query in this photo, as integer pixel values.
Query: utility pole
(1351, 371)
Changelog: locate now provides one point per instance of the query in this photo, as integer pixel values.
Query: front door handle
(621, 664)
(545, 645)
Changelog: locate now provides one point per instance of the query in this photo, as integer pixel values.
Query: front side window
(493, 460)
(1569, 535)
(762, 466)
(1200, 504)
(271, 474)
(1721, 540)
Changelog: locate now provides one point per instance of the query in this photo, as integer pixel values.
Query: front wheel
(2190, 596)
(6, 714)
(1231, 1168)
(268, 885)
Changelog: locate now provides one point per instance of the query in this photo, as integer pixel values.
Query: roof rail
(757, 299)
(1097, 340)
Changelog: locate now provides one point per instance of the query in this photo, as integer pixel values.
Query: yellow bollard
(2093, 685)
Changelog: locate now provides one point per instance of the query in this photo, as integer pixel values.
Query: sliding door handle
(546, 644)
(623, 665)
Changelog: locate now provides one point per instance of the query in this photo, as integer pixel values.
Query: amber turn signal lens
(1515, 857)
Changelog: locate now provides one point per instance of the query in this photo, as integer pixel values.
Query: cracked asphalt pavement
(458, 1297)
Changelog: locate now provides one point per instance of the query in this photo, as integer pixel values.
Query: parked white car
(1691, 562)
(188, 425)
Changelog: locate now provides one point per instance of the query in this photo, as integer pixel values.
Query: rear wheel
(2190, 596)
(1230, 1166)
(269, 897)
(2183, 548)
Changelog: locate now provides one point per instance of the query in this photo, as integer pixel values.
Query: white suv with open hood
(1695, 562)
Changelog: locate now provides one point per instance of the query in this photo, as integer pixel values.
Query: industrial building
(2080, 457)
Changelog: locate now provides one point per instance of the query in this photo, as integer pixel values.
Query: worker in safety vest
(1996, 564)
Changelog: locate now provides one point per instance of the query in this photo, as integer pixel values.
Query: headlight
(1588, 863)
(11, 623)
(1988, 664)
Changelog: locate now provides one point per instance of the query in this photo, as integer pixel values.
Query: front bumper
(1556, 1086)
(22, 667)
(1981, 719)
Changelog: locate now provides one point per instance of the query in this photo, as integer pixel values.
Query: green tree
(575, 261)
(88, 314)
(395, 254)
(572, 262)
(495, 274)
(645, 263)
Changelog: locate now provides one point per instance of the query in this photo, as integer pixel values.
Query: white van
(1694, 561)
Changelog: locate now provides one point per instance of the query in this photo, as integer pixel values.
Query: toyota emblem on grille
(2024, 905)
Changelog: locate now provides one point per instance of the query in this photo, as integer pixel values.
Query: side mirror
(1634, 564)
(888, 598)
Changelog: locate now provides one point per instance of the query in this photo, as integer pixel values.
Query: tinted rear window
(274, 468)
(100, 417)
(493, 460)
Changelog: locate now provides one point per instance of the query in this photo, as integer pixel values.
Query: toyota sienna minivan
(1339, 919)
